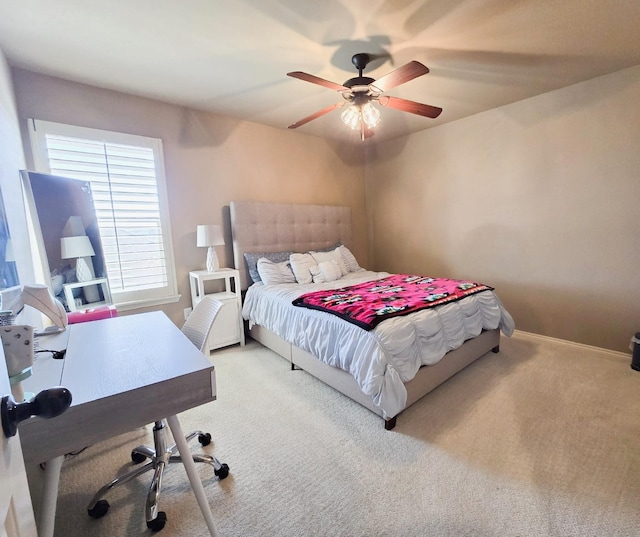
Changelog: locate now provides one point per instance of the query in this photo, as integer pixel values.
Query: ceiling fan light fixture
(356, 114)
(370, 115)
(351, 116)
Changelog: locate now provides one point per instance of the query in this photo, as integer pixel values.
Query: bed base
(427, 378)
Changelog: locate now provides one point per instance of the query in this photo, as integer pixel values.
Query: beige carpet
(542, 439)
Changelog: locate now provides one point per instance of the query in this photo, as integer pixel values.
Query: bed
(386, 369)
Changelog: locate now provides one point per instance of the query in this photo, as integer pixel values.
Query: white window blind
(127, 182)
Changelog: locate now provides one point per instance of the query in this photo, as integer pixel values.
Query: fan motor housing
(358, 81)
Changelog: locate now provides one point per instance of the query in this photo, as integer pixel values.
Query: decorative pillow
(303, 266)
(251, 259)
(333, 255)
(274, 273)
(328, 271)
(349, 259)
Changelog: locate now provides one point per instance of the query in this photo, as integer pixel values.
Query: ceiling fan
(359, 94)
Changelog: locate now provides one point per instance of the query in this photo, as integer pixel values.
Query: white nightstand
(228, 327)
(68, 293)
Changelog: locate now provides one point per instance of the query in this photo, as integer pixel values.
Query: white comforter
(381, 359)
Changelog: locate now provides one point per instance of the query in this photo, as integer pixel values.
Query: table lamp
(210, 236)
(17, 343)
(17, 340)
(80, 247)
(39, 296)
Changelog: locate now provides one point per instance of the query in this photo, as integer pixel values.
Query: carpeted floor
(542, 439)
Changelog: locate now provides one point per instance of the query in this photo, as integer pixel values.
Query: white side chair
(198, 325)
(197, 328)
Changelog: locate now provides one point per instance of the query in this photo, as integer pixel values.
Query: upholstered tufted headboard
(276, 227)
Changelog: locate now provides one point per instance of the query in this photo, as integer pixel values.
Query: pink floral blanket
(369, 303)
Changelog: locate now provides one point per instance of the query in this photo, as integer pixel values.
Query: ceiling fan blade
(315, 116)
(317, 80)
(410, 106)
(403, 74)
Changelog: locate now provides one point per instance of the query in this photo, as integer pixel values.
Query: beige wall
(210, 160)
(540, 199)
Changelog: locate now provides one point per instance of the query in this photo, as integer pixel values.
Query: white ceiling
(231, 57)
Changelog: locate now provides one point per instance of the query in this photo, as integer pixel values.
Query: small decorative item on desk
(17, 342)
(39, 297)
(210, 236)
(7, 318)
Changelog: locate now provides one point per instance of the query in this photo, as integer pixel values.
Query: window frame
(38, 129)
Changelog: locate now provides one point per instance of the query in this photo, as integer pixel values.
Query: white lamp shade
(73, 227)
(79, 246)
(209, 235)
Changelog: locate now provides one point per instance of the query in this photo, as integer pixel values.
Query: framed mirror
(66, 229)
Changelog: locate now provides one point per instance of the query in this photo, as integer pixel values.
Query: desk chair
(197, 328)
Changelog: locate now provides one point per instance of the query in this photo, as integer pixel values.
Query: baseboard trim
(531, 335)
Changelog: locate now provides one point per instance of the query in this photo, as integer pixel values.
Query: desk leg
(47, 515)
(190, 466)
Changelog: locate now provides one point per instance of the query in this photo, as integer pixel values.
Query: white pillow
(303, 265)
(333, 255)
(251, 259)
(328, 271)
(349, 259)
(274, 273)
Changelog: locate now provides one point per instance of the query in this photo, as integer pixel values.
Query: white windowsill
(138, 304)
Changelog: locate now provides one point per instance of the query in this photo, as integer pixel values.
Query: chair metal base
(159, 458)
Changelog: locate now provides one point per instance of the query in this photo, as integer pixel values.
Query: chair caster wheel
(137, 458)
(223, 472)
(204, 439)
(157, 523)
(99, 509)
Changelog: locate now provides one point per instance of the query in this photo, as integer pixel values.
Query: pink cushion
(92, 314)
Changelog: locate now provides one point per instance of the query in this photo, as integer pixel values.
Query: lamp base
(84, 273)
(84, 269)
(212, 260)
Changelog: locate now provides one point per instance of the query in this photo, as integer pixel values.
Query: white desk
(122, 373)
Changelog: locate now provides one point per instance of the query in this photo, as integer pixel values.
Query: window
(126, 173)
